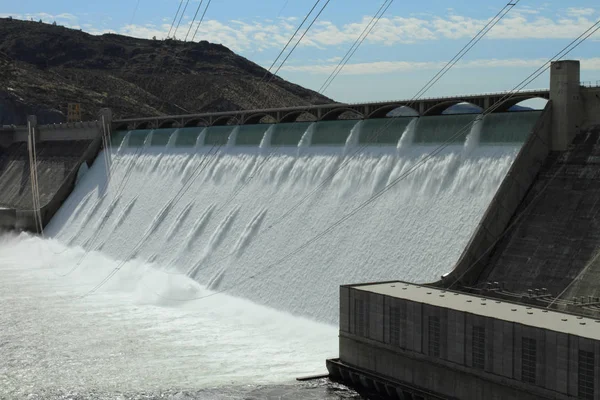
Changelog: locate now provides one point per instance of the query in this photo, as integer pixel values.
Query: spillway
(195, 257)
(255, 219)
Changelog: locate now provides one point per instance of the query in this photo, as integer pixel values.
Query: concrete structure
(496, 102)
(61, 150)
(565, 92)
(416, 342)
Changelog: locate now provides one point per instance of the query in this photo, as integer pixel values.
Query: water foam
(415, 232)
(128, 336)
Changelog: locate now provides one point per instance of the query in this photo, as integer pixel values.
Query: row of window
(529, 356)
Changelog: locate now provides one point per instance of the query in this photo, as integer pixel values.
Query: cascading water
(148, 140)
(353, 138)
(306, 140)
(201, 139)
(232, 137)
(265, 142)
(173, 139)
(408, 136)
(137, 311)
(474, 135)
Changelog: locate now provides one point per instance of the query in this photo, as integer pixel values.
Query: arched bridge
(494, 102)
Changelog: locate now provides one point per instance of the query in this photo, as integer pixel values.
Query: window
(434, 336)
(397, 319)
(478, 347)
(586, 375)
(528, 360)
(360, 321)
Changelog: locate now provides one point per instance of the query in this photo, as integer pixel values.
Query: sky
(408, 46)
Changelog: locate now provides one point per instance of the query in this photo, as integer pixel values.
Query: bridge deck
(493, 102)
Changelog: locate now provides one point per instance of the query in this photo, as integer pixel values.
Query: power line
(375, 134)
(135, 10)
(299, 40)
(359, 40)
(201, 19)
(495, 20)
(181, 17)
(174, 19)
(193, 19)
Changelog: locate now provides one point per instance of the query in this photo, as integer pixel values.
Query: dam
(216, 253)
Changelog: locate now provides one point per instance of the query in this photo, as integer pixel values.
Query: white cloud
(580, 12)
(64, 19)
(385, 67)
(259, 35)
(523, 23)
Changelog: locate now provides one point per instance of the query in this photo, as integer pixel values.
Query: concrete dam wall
(558, 235)
(60, 151)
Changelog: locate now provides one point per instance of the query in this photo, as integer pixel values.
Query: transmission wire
(181, 18)
(357, 43)
(174, 19)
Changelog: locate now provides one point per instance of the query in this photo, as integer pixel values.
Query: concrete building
(410, 341)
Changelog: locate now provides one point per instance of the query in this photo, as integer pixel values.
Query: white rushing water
(204, 266)
(127, 339)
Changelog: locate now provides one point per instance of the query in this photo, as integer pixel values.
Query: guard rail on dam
(498, 102)
(61, 150)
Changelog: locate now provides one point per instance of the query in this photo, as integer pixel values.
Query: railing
(541, 92)
(452, 97)
(590, 84)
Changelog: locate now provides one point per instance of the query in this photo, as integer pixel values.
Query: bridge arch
(124, 126)
(505, 105)
(335, 113)
(439, 108)
(382, 112)
(221, 121)
(143, 125)
(255, 118)
(293, 116)
(168, 124)
(192, 123)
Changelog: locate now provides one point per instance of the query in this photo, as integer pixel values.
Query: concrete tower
(565, 93)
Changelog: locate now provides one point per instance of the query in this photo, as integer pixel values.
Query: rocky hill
(44, 67)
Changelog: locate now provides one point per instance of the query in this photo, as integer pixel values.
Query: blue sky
(410, 43)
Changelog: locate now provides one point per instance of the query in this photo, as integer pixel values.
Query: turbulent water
(212, 258)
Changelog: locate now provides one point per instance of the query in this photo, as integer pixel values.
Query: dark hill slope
(44, 67)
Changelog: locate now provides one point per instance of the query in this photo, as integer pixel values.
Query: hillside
(44, 67)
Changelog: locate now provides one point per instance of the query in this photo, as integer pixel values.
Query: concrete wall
(590, 100)
(368, 343)
(554, 244)
(504, 204)
(61, 150)
(6, 137)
